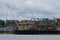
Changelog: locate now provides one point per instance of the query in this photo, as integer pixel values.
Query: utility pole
(32, 16)
(7, 11)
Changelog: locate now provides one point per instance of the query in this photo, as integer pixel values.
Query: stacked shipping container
(44, 24)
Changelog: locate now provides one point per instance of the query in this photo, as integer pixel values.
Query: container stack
(25, 25)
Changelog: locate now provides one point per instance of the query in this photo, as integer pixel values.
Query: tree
(2, 23)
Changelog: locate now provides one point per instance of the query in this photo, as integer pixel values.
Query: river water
(29, 37)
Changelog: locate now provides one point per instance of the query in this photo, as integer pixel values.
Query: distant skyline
(21, 9)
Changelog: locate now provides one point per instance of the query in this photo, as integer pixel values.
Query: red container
(37, 25)
(58, 21)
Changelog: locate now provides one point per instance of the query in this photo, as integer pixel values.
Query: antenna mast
(33, 18)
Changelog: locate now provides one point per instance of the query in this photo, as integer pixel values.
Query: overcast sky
(23, 9)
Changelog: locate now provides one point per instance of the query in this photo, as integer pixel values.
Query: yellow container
(21, 27)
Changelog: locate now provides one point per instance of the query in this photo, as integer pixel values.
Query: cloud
(23, 8)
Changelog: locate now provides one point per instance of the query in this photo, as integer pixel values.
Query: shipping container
(25, 25)
(58, 22)
(11, 25)
(46, 25)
